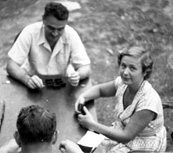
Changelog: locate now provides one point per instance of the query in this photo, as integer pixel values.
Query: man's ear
(43, 20)
(17, 138)
(54, 138)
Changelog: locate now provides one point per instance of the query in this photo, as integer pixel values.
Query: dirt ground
(105, 27)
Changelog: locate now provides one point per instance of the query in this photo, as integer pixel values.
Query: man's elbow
(10, 68)
(89, 70)
(84, 71)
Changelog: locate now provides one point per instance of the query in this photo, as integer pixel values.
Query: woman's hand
(86, 120)
(79, 103)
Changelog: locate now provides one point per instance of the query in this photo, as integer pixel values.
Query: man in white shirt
(48, 47)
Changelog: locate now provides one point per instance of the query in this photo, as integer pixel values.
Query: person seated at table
(48, 47)
(36, 130)
(36, 133)
(140, 122)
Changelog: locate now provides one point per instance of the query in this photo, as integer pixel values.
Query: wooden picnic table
(58, 100)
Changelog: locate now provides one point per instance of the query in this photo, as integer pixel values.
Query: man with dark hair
(49, 47)
(36, 130)
(35, 125)
(36, 133)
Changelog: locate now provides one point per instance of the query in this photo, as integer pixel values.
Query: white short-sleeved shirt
(145, 98)
(32, 51)
(153, 137)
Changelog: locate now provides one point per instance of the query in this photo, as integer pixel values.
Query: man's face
(54, 28)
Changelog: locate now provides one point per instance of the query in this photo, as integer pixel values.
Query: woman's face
(131, 71)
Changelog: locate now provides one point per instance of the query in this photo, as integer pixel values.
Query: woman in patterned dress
(139, 125)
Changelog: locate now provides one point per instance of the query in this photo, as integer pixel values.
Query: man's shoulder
(34, 26)
(70, 33)
(68, 27)
(69, 30)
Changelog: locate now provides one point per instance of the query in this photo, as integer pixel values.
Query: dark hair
(138, 52)
(35, 124)
(58, 10)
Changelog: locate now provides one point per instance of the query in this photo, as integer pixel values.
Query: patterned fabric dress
(153, 137)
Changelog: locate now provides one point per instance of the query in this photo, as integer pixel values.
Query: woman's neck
(133, 89)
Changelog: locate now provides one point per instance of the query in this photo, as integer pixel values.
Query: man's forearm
(18, 73)
(84, 71)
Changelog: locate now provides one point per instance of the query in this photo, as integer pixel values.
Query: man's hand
(10, 147)
(73, 76)
(35, 82)
(68, 146)
(17, 72)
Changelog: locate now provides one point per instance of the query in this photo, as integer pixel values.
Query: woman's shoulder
(119, 85)
(148, 98)
(118, 80)
(149, 90)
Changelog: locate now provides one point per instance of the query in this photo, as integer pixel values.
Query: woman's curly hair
(138, 52)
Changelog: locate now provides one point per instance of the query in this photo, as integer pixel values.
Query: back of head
(36, 125)
(139, 52)
(58, 10)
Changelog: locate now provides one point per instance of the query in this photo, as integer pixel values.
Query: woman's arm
(136, 124)
(101, 90)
